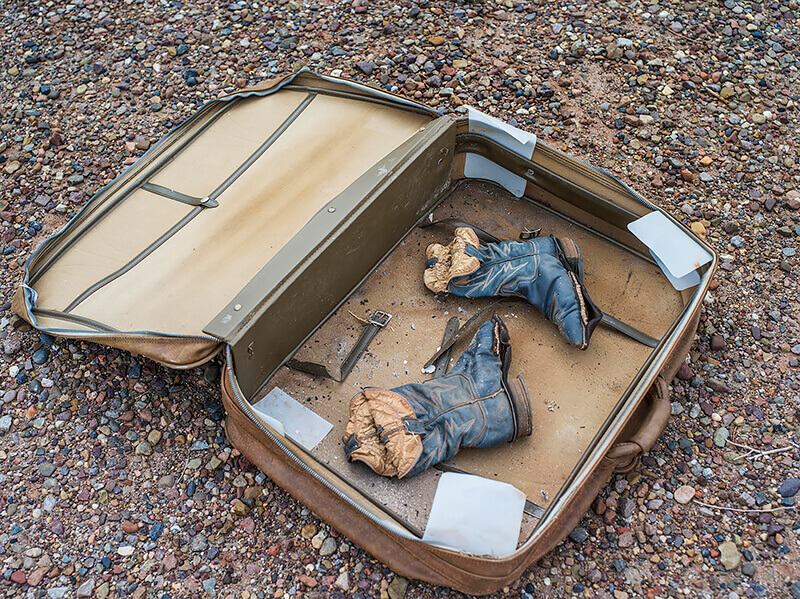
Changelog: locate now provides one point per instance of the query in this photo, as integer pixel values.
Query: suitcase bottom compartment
(572, 392)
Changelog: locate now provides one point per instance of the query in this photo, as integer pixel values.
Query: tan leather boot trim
(451, 260)
(376, 422)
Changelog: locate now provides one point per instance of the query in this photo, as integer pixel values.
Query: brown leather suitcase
(261, 226)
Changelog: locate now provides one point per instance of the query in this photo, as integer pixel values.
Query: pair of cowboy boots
(405, 430)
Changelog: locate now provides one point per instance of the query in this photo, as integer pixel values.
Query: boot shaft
(511, 269)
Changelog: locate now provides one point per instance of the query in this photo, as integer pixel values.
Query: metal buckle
(380, 318)
(527, 234)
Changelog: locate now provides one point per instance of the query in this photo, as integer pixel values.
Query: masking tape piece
(673, 248)
(298, 422)
(478, 167)
(475, 514)
(508, 136)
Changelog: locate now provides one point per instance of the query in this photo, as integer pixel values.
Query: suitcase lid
(251, 182)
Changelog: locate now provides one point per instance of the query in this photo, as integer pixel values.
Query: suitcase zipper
(31, 305)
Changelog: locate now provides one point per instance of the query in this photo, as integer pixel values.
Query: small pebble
(789, 488)
(684, 494)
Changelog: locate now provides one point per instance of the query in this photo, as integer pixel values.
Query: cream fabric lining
(189, 279)
(107, 248)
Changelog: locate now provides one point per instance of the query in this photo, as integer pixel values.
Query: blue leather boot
(546, 271)
(403, 431)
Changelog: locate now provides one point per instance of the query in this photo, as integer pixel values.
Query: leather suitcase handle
(627, 453)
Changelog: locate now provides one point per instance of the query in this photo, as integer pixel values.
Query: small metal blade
(443, 360)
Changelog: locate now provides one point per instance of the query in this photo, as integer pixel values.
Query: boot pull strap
(629, 331)
(443, 361)
(463, 330)
(569, 255)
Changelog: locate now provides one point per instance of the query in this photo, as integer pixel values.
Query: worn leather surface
(469, 574)
(643, 429)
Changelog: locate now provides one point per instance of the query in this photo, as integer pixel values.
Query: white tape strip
(674, 250)
(475, 514)
(516, 140)
(289, 417)
(478, 167)
(679, 283)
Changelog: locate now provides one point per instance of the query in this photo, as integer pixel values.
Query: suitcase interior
(151, 263)
(572, 392)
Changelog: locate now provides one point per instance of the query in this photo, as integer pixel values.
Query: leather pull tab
(627, 453)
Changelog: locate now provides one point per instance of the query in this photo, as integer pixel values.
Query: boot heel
(521, 403)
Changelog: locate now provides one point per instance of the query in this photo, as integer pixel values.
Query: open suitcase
(261, 226)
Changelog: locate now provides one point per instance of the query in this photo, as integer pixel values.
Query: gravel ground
(116, 478)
